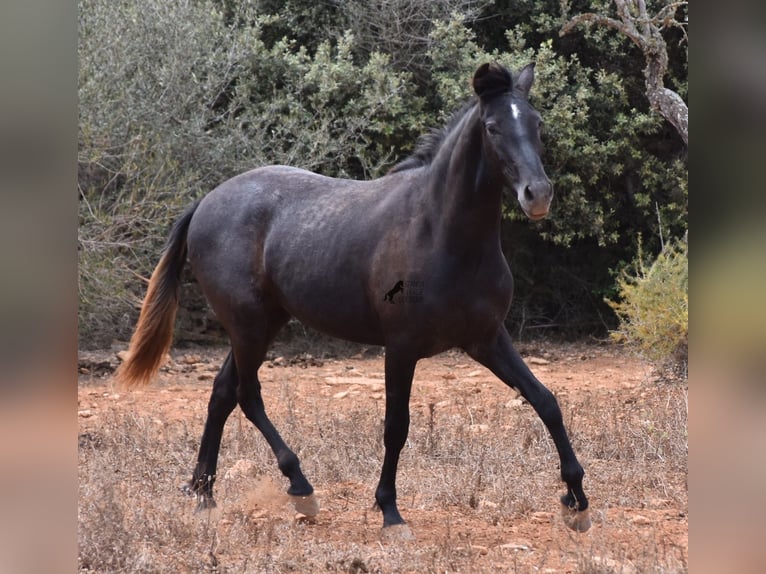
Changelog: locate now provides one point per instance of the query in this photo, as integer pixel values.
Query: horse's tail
(154, 330)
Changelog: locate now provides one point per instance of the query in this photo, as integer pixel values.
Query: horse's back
(252, 201)
(301, 240)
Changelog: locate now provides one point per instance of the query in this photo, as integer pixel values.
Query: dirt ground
(610, 401)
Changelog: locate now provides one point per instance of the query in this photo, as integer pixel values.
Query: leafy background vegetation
(175, 96)
(654, 307)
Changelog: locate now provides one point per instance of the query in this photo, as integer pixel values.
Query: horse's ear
(491, 80)
(525, 79)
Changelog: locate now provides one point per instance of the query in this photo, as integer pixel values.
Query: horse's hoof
(396, 533)
(205, 503)
(577, 520)
(306, 505)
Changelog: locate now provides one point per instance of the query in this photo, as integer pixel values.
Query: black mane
(489, 81)
(428, 144)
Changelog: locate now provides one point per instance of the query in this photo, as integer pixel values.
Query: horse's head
(512, 134)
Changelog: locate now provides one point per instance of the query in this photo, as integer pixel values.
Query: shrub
(177, 96)
(173, 100)
(653, 307)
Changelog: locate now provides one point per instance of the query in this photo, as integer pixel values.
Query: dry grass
(475, 476)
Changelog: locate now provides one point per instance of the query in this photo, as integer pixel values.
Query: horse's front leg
(503, 360)
(399, 372)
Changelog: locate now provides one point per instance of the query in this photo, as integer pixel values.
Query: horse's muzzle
(535, 199)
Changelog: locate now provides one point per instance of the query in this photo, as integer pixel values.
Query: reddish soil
(592, 375)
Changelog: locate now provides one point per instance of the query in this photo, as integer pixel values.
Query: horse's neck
(466, 190)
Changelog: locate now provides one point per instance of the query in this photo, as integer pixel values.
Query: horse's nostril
(537, 191)
(528, 194)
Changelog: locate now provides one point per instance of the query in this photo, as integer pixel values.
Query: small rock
(512, 546)
(340, 395)
(449, 376)
(473, 374)
(85, 413)
(640, 520)
(538, 361)
(192, 359)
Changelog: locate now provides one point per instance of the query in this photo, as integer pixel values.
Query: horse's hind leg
(223, 399)
(249, 352)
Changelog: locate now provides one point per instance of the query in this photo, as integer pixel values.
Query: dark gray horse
(278, 242)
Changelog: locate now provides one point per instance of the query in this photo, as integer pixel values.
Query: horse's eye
(492, 128)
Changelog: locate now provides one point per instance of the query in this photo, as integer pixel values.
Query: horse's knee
(395, 431)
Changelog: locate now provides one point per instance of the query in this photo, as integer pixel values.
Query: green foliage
(606, 154)
(595, 154)
(175, 97)
(653, 306)
(173, 100)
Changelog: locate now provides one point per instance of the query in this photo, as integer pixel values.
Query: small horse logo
(398, 288)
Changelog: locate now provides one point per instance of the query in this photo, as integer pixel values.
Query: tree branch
(643, 17)
(626, 28)
(645, 32)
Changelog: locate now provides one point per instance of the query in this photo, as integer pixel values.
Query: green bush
(653, 307)
(173, 100)
(175, 97)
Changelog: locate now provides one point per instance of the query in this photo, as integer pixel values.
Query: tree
(645, 31)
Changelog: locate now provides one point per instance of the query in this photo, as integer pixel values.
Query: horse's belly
(341, 315)
(332, 300)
